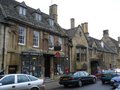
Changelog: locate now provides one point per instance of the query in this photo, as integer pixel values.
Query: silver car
(20, 82)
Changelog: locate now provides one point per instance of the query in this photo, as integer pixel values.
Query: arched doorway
(94, 67)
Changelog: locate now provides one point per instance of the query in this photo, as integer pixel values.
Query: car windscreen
(1, 76)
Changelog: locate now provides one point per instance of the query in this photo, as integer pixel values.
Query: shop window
(31, 64)
(59, 68)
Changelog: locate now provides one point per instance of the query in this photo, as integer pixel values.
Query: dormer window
(51, 22)
(38, 17)
(22, 11)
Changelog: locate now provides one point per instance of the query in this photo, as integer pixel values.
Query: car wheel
(34, 88)
(65, 85)
(94, 80)
(79, 83)
(103, 82)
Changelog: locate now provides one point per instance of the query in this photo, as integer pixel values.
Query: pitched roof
(114, 41)
(104, 48)
(71, 32)
(9, 10)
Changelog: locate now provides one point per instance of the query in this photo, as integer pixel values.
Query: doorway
(94, 66)
(47, 67)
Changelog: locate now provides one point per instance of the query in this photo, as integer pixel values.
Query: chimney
(72, 23)
(119, 41)
(53, 12)
(85, 28)
(105, 33)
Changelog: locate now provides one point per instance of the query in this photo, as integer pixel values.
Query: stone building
(101, 56)
(114, 45)
(31, 41)
(79, 51)
(88, 53)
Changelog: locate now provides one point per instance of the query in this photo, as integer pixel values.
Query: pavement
(51, 84)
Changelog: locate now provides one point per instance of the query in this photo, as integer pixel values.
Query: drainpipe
(3, 49)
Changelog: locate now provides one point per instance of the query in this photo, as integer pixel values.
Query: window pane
(22, 35)
(36, 38)
(22, 78)
(8, 80)
(32, 78)
(51, 41)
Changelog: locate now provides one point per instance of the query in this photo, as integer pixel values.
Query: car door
(8, 83)
(88, 77)
(82, 77)
(23, 83)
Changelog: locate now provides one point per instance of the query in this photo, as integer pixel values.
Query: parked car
(20, 82)
(118, 88)
(107, 75)
(77, 78)
(115, 81)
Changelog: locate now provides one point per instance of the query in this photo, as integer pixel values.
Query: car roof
(12, 74)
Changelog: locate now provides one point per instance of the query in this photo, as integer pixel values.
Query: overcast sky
(100, 14)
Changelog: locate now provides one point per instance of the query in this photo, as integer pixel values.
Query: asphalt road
(97, 86)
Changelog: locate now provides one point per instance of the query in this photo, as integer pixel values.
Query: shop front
(31, 63)
(55, 65)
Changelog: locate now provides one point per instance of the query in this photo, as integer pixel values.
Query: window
(78, 54)
(38, 17)
(22, 35)
(51, 22)
(51, 42)
(83, 56)
(60, 41)
(32, 78)
(22, 11)
(22, 78)
(8, 80)
(36, 39)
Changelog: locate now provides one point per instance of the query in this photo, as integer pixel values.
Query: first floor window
(36, 39)
(22, 35)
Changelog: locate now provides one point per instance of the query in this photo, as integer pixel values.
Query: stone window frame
(22, 35)
(36, 39)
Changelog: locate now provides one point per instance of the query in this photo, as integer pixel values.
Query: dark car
(107, 75)
(77, 78)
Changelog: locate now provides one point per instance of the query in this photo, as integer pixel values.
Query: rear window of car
(32, 78)
(108, 72)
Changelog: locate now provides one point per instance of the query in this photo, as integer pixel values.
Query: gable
(79, 37)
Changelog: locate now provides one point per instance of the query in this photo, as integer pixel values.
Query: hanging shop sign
(57, 54)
